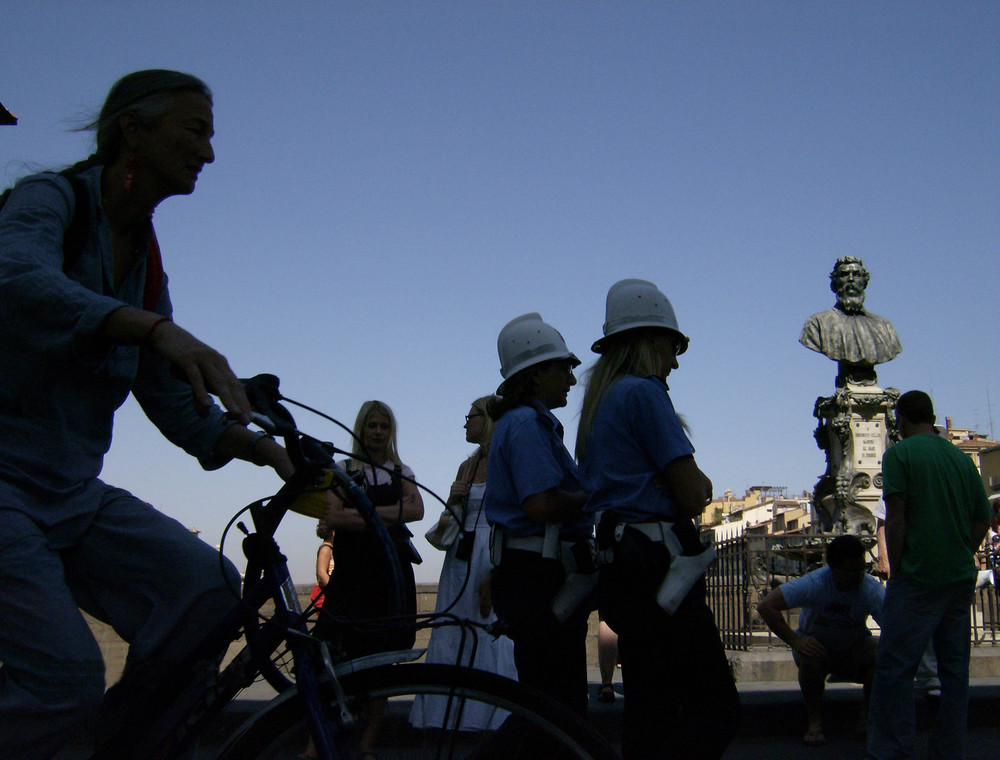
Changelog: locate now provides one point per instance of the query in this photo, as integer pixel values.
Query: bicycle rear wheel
(536, 727)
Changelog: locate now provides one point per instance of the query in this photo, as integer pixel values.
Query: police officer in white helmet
(637, 461)
(542, 542)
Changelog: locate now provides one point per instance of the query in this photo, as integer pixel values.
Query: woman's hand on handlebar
(270, 453)
(242, 443)
(204, 368)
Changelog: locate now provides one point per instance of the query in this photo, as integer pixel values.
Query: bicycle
(326, 701)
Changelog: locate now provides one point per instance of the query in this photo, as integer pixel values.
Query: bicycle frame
(175, 727)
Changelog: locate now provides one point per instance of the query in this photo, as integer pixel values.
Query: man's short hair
(917, 407)
(844, 548)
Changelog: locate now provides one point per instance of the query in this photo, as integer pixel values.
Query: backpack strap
(75, 239)
(75, 236)
(154, 276)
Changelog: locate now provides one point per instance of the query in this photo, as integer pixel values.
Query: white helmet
(526, 341)
(638, 303)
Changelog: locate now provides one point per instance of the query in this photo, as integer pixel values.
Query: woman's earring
(129, 174)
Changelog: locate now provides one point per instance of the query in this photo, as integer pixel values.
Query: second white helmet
(526, 341)
(637, 303)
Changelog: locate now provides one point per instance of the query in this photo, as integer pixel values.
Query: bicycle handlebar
(315, 472)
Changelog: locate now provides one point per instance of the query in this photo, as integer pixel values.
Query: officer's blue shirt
(636, 433)
(527, 457)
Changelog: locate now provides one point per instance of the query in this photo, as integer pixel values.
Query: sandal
(606, 693)
(814, 739)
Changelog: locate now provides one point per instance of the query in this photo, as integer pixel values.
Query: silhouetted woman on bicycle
(635, 457)
(87, 319)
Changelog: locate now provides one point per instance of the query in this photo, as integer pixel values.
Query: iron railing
(750, 564)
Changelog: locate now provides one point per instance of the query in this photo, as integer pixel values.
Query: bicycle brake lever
(264, 422)
(262, 391)
(263, 394)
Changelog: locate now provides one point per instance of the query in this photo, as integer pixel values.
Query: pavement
(772, 723)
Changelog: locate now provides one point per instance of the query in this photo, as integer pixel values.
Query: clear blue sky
(396, 180)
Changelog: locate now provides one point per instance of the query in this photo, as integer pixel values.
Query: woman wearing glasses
(464, 589)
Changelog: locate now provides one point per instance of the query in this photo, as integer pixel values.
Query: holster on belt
(581, 578)
(687, 560)
(685, 570)
(576, 557)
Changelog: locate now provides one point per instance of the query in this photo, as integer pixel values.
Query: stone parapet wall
(759, 664)
(115, 650)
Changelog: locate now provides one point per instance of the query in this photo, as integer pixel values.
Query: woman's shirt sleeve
(40, 306)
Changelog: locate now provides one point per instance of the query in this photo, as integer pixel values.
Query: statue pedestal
(855, 428)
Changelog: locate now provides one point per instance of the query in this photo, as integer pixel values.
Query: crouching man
(833, 635)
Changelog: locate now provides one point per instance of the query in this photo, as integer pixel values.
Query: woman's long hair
(632, 354)
(358, 450)
(482, 405)
(149, 95)
(518, 390)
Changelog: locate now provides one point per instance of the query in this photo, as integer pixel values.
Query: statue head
(848, 280)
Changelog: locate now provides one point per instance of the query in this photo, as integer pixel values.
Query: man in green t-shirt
(936, 516)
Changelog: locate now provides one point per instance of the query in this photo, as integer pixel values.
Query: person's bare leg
(607, 653)
(376, 712)
(812, 681)
(607, 659)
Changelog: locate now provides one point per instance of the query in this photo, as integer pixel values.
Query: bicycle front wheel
(527, 723)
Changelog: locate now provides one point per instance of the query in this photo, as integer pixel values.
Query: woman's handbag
(447, 530)
(444, 533)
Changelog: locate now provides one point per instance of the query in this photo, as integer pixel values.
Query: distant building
(969, 441)
(762, 510)
(989, 468)
(767, 510)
